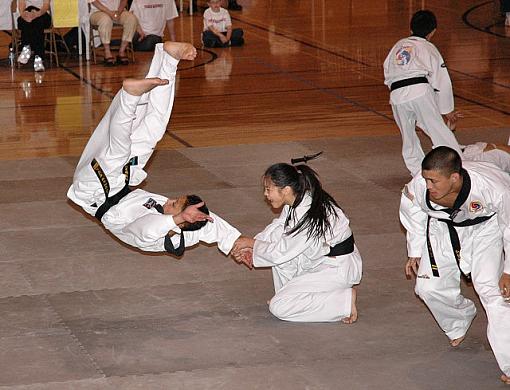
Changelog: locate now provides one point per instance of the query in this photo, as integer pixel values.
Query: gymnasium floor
(79, 310)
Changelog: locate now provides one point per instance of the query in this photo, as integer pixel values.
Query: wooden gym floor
(309, 70)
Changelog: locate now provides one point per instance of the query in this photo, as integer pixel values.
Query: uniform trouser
(104, 25)
(316, 296)
(209, 39)
(136, 123)
(422, 111)
(146, 44)
(33, 33)
(452, 311)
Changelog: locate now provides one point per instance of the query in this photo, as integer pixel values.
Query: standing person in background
(153, 16)
(218, 30)
(33, 19)
(104, 14)
(421, 91)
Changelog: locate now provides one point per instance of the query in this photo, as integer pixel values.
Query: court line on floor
(315, 46)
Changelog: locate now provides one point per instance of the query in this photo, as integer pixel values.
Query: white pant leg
(317, 296)
(431, 122)
(411, 148)
(153, 117)
(486, 271)
(452, 311)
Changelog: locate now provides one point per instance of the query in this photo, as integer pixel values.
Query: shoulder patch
(475, 206)
(403, 55)
(407, 193)
(150, 203)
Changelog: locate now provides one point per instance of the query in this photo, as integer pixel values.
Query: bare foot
(354, 311)
(456, 342)
(505, 379)
(180, 50)
(137, 87)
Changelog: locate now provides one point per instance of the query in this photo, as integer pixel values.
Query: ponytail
(302, 179)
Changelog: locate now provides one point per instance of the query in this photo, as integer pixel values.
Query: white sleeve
(288, 247)
(147, 232)
(170, 10)
(440, 80)
(228, 20)
(504, 223)
(219, 231)
(206, 25)
(414, 220)
(134, 8)
(275, 229)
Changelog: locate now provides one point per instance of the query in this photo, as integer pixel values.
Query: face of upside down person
(175, 206)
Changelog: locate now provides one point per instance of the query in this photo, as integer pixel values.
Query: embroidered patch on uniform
(423, 276)
(407, 194)
(150, 203)
(475, 206)
(403, 55)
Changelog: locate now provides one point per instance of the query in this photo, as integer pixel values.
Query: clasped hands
(242, 252)
(28, 16)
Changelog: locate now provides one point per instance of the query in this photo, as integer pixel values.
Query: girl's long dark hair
(301, 178)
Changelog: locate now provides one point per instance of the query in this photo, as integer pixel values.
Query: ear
(455, 177)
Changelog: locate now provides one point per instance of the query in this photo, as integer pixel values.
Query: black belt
(454, 239)
(342, 248)
(115, 199)
(411, 81)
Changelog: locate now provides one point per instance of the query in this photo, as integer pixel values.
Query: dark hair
(302, 179)
(423, 23)
(443, 159)
(191, 200)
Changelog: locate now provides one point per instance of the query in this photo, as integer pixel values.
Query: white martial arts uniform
(419, 104)
(309, 286)
(476, 152)
(483, 248)
(131, 128)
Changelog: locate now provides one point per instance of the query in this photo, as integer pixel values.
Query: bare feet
(137, 87)
(180, 50)
(456, 342)
(354, 311)
(505, 379)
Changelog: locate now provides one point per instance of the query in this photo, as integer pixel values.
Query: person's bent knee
(424, 290)
(277, 309)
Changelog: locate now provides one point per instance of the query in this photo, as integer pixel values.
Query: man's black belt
(454, 239)
(411, 81)
(342, 248)
(115, 199)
